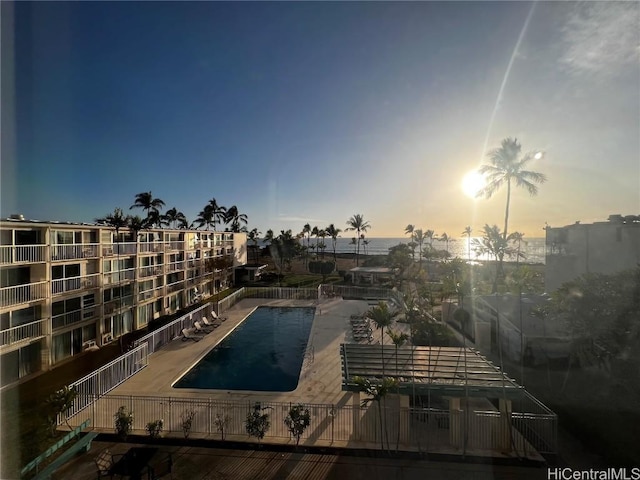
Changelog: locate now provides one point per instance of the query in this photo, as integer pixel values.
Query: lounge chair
(207, 323)
(216, 317)
(200, 328)
(187, 334)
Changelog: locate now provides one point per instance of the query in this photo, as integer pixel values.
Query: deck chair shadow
(200, 328)
(216, 317)
(207, 323)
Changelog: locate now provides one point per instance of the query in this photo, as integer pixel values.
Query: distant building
(601, 247)
(66, 288)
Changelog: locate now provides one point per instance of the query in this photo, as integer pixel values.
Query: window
(65, 271)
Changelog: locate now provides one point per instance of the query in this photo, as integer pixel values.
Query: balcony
(123, 248)
(64, 285)
(175, 245)
(26, 293)
(118, 304)
(119, 277)
(150, 270)
(16, 254)
(70, 318)
(23, 333)
(74, 251)
(150, 247)
(175, 266)
(146, 295)
(174, 287)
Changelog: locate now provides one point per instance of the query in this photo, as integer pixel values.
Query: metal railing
(172, 267)
(229, 301)
(22, 254)
(106, 378)
(63, 285)
(27, 331)
(426, 429)
(121, 276)
(29, 292)
(119, 248)
(74, 251)
(156, 339)
(150, 270)
(150, 247)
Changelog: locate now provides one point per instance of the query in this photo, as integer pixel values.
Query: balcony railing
(63, 285)
(175, 266)
(123, 248)
(28, 331)
(150, 247)
(174, 287)
(12, 254)
(174, 245)
(150, 270)
(118, 277)
(29, 292)
(117, 304)
(74, 251)
(70, 318)
(146, 295)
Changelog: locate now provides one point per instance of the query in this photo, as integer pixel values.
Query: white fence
(160, 337)
(93, 386)
(421, 429)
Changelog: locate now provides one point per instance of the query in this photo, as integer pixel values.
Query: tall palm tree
(445, 238)
(315, 231)
(218, 212)
(382, 318)
(205, 218)
(419, 238)
(467, 232)
(147, 203)
(155, 219)
(173, 217)
(398, 339)
(306, 230)
(365, 243)
(254, 236)
(518, 238)
(116, 220)
(322, 233)
(507, 166)
(377, 392)
(236, 218)
(409, 229)
(334, 233)
(494, 244)
(358, 223)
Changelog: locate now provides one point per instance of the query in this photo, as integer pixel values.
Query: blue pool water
(264, 353)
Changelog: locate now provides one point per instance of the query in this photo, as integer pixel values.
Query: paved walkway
(198, 463)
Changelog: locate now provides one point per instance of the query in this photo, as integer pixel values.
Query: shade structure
(453, 371)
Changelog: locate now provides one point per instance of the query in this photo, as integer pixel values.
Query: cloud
(601, 38)
(291, 218)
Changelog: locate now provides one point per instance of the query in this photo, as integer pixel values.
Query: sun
(472, 183)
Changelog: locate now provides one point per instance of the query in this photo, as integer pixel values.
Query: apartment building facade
(600, 247)
(67, 287)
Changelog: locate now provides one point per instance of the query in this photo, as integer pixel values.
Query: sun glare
(472, 183)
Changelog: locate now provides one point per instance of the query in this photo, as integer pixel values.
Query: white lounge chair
(207, 323)
(187, 334)
(216, 317)
(199, 328)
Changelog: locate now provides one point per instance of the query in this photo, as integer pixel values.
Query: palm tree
(493, 243)
(467, 232)
(358, 224)
(254, 236)
(147, 203)
(382, 318)
(315, 232)
(334, 233)
(218, 212)
(322, 233)
(116, 220)
(377, 392)
(205, 217)
(365, 243)
(519, 239)
(154, 218)
(507, 166)
(398, 339)
(173, 217)
(234, 217)
(445, 238)
(419, 238)
(306, 230)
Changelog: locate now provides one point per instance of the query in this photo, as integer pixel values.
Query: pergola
(450, 371)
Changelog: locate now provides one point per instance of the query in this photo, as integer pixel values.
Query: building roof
(452, 371)
(371, 270)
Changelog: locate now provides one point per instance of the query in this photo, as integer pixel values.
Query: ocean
(533, 249)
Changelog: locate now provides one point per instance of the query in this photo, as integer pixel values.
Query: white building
(67, 287)
(601, 247)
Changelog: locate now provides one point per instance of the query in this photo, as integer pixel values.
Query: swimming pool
(264, 353)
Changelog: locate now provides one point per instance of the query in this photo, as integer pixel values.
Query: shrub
(154, 428)
(123, 422)
(297, 421)
(221, 422)
(187, 421)
(257, 423)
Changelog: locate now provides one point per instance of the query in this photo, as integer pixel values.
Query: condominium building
(600, 247)
(68, 287)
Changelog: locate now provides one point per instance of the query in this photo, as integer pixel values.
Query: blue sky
(303, 112)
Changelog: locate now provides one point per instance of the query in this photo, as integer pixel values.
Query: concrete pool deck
(320, 378)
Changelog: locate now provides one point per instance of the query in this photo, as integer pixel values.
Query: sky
(311, 112)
